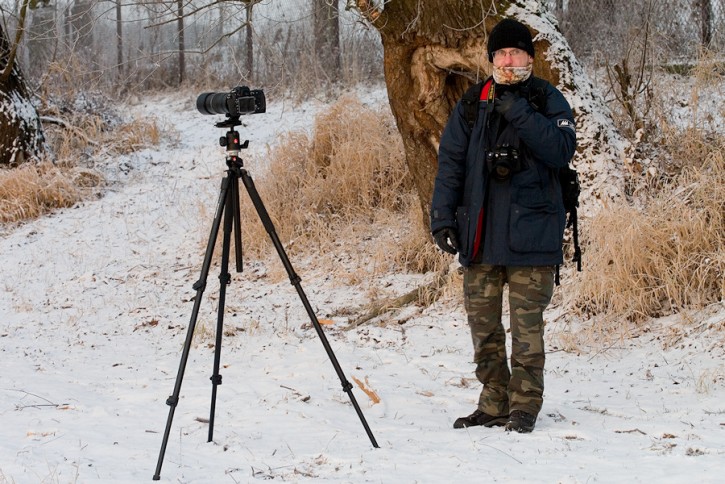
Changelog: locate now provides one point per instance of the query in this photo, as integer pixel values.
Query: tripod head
(231, 140)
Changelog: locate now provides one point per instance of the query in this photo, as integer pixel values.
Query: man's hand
(446, 240)
(506, 101)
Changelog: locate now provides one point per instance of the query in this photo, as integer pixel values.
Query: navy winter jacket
(519, 221)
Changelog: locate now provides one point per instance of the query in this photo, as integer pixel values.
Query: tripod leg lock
(172, 401)
(199, 285)
(225, 279)
(295, 279)
(216, 379)
(347, 386)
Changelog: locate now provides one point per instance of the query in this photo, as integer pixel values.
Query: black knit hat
(510, 33)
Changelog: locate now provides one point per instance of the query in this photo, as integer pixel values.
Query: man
(497, 203)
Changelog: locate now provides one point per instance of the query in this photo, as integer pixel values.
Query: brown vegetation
(662, 251)
(665, 257)
(74, 140)
(344, 191)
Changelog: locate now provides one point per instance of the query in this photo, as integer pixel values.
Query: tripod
(228, 206)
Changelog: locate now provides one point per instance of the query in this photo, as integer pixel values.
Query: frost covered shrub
(659, 259)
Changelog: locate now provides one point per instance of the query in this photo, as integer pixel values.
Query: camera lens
(502, 171)
(212, 103)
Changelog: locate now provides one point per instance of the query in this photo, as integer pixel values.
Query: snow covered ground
(95, 304)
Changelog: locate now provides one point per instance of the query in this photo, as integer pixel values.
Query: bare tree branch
(5, 76)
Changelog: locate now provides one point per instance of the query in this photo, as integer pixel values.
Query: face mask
(511, 75)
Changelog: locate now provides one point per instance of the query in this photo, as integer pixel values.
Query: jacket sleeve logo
(565, 123)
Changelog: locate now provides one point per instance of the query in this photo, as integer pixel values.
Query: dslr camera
(503, 162)
(237, 102)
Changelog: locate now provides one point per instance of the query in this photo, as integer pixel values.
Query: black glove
(506, 101)
(446, 240)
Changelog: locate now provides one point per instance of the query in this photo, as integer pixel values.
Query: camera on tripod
(237, 102)
(503, 162)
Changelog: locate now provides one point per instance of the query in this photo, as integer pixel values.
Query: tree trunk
(20, 133)
(705, 7)
(40, 40)
(249, 43)
(327, 37)
(81, 23)
(435, 49)
(119, 40)
(180, 33)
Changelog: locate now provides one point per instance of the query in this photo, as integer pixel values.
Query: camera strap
(481, 91)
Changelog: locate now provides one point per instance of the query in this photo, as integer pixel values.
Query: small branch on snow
(430, 291)
(49, 404)
(304, 398)
(368, 391)
(633, 431)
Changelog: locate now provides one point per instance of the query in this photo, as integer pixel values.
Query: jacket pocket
(534, 228)
(463, 222)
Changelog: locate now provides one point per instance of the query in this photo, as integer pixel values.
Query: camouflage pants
(530, 291)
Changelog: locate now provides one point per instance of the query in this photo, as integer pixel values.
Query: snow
(95, 305)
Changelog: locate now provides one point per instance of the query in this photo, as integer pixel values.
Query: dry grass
(344, 192)
(661, 251)
(656, 261)
(34, 189)
(31, 190)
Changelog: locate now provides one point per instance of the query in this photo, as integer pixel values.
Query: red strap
(487, 94)
(485, 91)
(479, 232)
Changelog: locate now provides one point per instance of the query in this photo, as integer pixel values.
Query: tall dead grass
(31, 190)
(670, 255)
(344, 193)
(68, 173)
(661, 251)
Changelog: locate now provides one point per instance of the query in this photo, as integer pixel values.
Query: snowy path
(94, 308)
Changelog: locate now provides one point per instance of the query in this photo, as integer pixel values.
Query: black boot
(521, 422)
(480, 418)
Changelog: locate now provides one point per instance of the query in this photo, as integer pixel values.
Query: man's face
(512, 57)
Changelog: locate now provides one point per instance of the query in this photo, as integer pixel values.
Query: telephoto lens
(213, 102)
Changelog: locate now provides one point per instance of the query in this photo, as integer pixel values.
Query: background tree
(20, 132)
(119, 39)
(180, 38)
(81, 24)
(327, 37)
(704, 8)
(434, 49)
(249, 41)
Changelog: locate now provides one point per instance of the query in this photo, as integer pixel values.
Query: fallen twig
(430, 292)
(368, 391)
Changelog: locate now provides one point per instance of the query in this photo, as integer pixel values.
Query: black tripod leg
(237, 224)
(295, 279)
(199, 286)
(231, 215)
